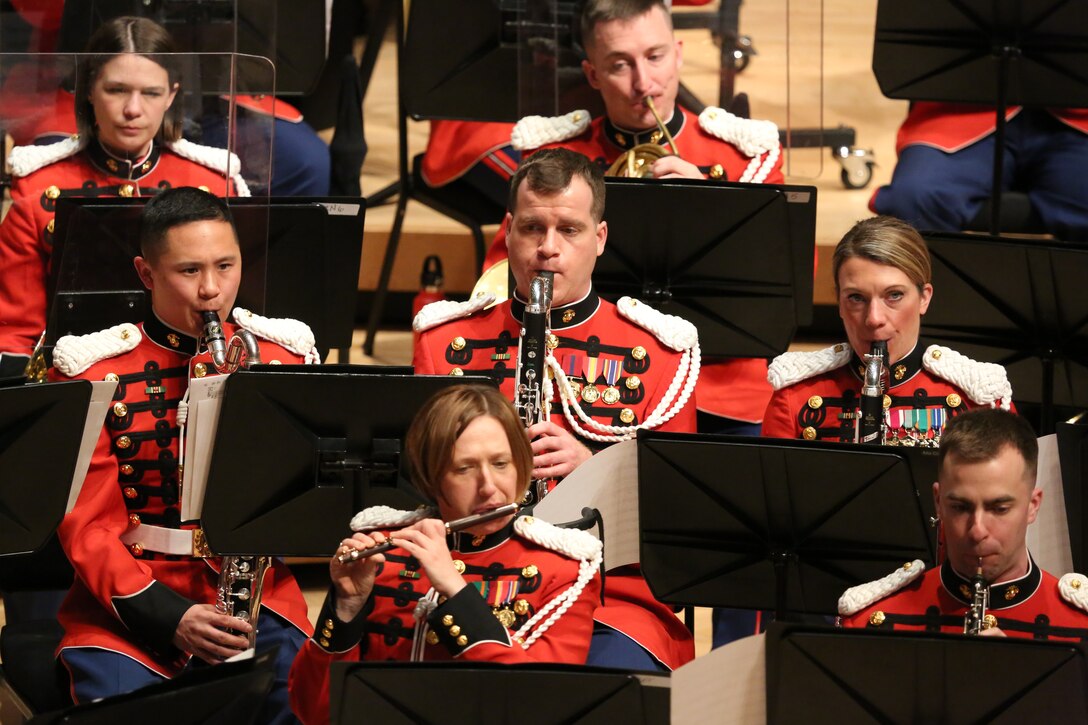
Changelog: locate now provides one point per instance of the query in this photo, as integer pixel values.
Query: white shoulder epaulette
(984, 383)
(751, 136)
(75, 353)
(443, 311)
(1074, 589)
(386, 517)
(793, 367)
(575, 543)
(217, 159)
(855, 599)
(294, 335)
(673, 332)
(532, 132)
(25, 160)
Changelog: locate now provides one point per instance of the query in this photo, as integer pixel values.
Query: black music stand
(865, 676)
(478, 692)
(1073, 456)
(757, 524)
(993, 52)
(34, 486)
(301, 260)
(734, 259)
(1018, 304)
(296, 455)
(230, 693)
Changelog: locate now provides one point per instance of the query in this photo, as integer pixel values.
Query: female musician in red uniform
(512, 589)
(883, 279)
(129, 144)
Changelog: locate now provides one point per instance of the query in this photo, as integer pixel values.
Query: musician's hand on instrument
(426, 541)
(354, 580)
(556, 452)
(674, 167)
(203, 633)
(992, 632)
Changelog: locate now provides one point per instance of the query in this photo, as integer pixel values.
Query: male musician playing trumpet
(142, 606)
(623, 366)
(985, 497)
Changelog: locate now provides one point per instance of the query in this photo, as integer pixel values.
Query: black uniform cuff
(154, 615)
(465, 620)
(334, 635)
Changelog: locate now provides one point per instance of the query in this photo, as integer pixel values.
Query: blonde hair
(886, 240)
(443, 419)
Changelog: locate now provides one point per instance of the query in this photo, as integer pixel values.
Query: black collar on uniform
(629, 139)
(1002, 596)
(899, 372)
(166, 336)
(123, 168)
(563, 317)
(465, 543)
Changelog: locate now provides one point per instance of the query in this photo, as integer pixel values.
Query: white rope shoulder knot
(532, 132)
(753, 137)
(386, 517)
(443, 311)
(217, 159)
(855, 599)
(580, 545)
(25, 160)
(673, 332)
(75, 353)
(1074, 589)
(793, 367)
(984, 383)
(293, 335)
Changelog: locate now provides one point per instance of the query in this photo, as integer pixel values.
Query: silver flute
(451, 527)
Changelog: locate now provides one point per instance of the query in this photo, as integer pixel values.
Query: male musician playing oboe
(989, 584)
(611, 368)
(142, 606)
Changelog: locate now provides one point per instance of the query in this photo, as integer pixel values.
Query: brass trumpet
(635, 163)
(451, 526)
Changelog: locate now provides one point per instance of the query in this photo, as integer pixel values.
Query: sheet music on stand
(205, 400)
(101, 396)
(1048, 538)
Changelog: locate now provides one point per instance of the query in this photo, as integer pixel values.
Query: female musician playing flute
(506, 590)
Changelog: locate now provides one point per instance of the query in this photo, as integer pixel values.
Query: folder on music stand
(472, 693)
(785, 525)
(737, 262)
(296, 455)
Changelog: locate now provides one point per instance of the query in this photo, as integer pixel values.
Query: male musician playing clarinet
(985, 498)
(613, 369)
(142, 607)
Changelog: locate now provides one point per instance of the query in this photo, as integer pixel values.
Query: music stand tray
(773, 524)
(337, 441)
(473, 693)
(733, 259)
(865, 676)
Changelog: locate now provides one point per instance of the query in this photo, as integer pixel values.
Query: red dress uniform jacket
(817, 394)
(954, 126)
(510, 580)
(1031, 606)
(595, 345)
(26, 234)
(127, 598)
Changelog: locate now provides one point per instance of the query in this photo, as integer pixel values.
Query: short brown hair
(443, 419)
(551, 171)
(126, 35)
(886, 240)
(979, 435)
(595, 12)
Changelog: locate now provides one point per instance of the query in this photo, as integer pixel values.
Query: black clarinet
(871, 412)
(532, 350)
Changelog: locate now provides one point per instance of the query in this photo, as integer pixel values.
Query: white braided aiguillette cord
(587, 569)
